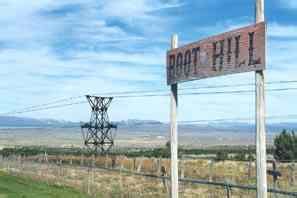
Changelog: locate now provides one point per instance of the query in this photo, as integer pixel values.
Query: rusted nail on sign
(237, 51)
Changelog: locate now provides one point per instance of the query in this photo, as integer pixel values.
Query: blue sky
(56, 49)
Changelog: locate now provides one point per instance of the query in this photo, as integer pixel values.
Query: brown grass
(102, 183)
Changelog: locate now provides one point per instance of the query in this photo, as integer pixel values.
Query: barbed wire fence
(116, 173)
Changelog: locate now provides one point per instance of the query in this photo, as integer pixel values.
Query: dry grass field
(98, 182)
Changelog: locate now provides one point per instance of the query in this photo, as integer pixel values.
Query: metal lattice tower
(98, 133)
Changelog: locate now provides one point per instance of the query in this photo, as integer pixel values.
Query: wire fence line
(225, 185)
(61, 169)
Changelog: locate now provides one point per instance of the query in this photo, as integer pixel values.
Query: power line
(247, 84)
(202, 93)
(122, 94)
(46, 108)
(51, 103)
(237, 119)
(41, 108)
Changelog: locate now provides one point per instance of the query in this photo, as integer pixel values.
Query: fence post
(70, 160)
(182, 174)
(121, 178)
(211, 170)
(182, 169)
(134, 164)
(155, 165)
(140, 165)
(113, 161)
(61, 170)
(93, 172)
(20, 163)
(106, 161)
(81, 160)
(228, 190)
(88, 187)
(159, 163)
(8, 165)
(249, 169)
(1, 162)
(292, 173)
(164, 174)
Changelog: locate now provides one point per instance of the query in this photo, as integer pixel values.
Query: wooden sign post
(173, 131)
(237, 51)
(260, 118)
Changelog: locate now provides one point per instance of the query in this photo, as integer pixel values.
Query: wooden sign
(237, 51)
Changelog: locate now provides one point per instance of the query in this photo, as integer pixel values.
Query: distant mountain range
(9, 121)
(149, 126)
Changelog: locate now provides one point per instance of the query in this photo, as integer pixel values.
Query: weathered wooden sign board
(237, 51)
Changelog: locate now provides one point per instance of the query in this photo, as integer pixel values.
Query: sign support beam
(173, 131)
(260, 118)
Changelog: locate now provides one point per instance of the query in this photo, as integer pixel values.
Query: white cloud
(48, 54)
(153, 58)
(134, 8)
(274, 29)
(34, 23)
(292, 4)
(222, 26)
(47, 77)
(282, 31)
(281, 59)
(141, 15)
(51, 56)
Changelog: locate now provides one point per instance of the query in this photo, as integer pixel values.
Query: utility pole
(173, 131)
(260, 118)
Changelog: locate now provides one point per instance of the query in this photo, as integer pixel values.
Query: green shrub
(221, 156)
(285, 146)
